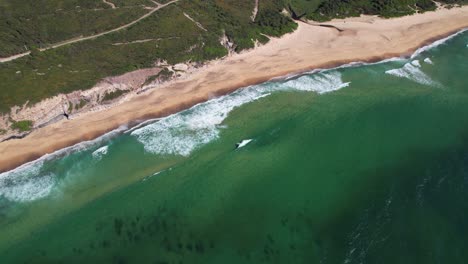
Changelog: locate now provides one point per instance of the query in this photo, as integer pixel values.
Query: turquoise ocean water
(359, 164)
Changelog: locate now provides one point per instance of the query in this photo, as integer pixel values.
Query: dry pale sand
(363, 39)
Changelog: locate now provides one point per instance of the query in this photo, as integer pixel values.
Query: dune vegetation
(165, 35)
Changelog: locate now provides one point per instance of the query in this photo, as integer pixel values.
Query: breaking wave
(320, 83)
(181, 133)
(428, 61)
(100, 152)
(436, 43)
(32, 181)
(413, 72)
(27, 183)
(416, 63)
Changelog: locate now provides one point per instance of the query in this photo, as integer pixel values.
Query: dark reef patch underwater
(362, 164)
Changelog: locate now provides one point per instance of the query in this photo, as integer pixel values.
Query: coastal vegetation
(174, 38)
(25, 25)
(164, 75)
(329, 9)
(81, 104)
(165, 35)
(23, 126)
(113, 95)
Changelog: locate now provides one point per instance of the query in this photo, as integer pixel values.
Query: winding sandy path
(112, 5)
(75, 40)
(309, 47)
(255, 11)
(14, 57)
(198, 24)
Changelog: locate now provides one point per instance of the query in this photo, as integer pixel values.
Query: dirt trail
(75, 40)
(133, 42)
(112, 5)
(194, 21)
(255, 11)
(14, 57)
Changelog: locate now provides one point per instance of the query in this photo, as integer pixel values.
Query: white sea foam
(416, 63)
(181, 133)
(100, 152)
(319, 83)
(244, 143)
(414, 55)
(411, 70)
(26, 184)
(30, 181)
(261, 96)
(152, 175)
(413, 73)
(428, 61)
(344, 66)
(361, 63)
(436, 43)
(142, 124)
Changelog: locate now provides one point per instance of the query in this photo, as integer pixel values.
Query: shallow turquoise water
(362, 164)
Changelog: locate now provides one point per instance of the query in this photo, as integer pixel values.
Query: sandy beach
(366, 39)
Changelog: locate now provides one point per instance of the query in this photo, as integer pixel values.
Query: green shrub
(81, 104)
(23, 126)
(164, 75)
(114, 95)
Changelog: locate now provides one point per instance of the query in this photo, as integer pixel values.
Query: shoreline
(364, 39)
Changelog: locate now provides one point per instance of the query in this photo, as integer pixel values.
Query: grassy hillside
(172, 37)
(168, 35)
(322, 10)
(29, 24)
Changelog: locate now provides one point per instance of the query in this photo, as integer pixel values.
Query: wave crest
(413, 72)
(100, 152)
(437, 43)
(26, 184)
(181, 133)
(320, 83)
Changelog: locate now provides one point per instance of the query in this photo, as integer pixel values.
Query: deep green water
(363, 164)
